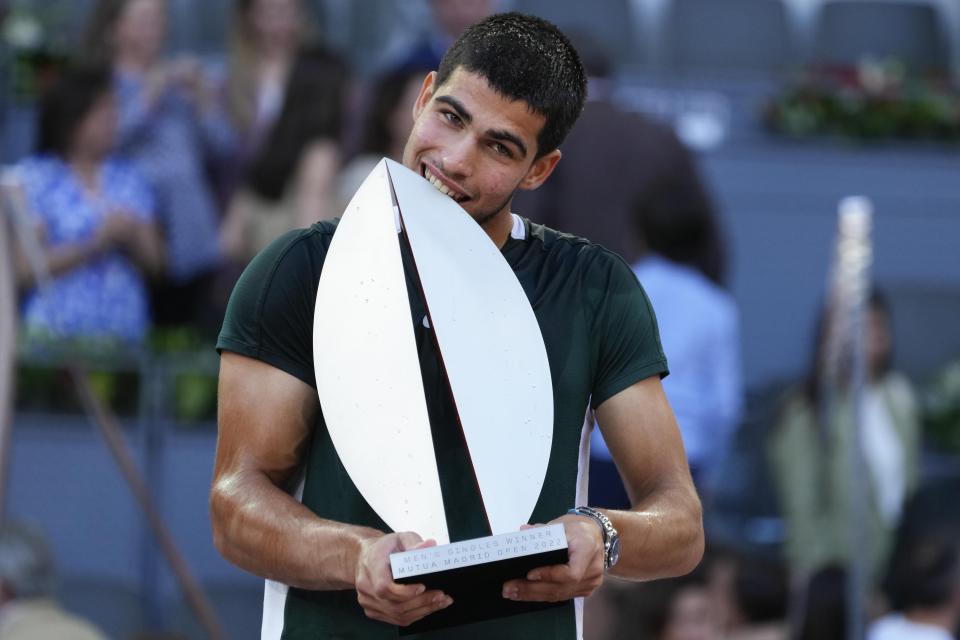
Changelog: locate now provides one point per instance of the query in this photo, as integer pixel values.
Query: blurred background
(151, 147)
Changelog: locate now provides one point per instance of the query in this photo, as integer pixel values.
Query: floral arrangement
(875, 100)
(38, 37)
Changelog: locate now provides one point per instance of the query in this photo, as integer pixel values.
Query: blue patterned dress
(103, 298)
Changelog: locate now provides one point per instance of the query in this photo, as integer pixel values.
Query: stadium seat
(914, 33)
(729, 36)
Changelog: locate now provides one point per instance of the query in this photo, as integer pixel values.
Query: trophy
(495, 364)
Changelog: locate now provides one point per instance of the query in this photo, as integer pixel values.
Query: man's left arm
(661, 535)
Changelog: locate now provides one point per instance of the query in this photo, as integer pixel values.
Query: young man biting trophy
(488, 122)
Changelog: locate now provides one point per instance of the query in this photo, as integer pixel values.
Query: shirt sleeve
(270, 313)
(624, 329)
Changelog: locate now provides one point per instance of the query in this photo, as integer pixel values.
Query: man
(487, 123)
(923, 584)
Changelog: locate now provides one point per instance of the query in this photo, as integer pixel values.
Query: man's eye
(451, 117)
(502, 149)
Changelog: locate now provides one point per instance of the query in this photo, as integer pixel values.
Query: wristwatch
(611, 539)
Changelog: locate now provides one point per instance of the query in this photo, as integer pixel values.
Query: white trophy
(371, 389)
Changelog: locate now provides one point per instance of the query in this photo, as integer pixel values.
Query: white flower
(22, 32)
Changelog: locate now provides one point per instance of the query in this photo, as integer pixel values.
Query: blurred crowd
(154, 180)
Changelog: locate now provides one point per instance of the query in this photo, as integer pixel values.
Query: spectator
(266, 36)
(698, 319)
(923, 585)
(657, 214)
(291, 182)
(673, 609)
(172, 126)
(28, 610)
(387, 126)
(620, 159)
(761, 592)
(450, 19)
(810, 453)
(684, 610)
(94, 217)
(699, 326)
(824, 614)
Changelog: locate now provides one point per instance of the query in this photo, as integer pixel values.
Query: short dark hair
(65, 104)
(924, 571)
(524, 58)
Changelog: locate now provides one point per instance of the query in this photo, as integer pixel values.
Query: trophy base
(473, 572)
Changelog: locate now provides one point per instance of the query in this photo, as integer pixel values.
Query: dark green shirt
(600, 335)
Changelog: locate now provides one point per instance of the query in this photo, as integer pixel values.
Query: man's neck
(499, 227)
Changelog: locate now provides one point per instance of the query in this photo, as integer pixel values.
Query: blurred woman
(172, 127)
(290, 183)
(811, 447)
(266, 36)
(386, 128)
(94, 217)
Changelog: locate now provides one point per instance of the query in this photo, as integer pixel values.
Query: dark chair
(914, 33)
(733, 36)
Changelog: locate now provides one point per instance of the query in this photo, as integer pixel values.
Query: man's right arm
(265, 420)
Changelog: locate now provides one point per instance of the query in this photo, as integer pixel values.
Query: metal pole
(201, 606)
(854, 253)
(8, 355)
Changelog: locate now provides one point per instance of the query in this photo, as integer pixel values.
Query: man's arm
(265, 420)
(662, 534)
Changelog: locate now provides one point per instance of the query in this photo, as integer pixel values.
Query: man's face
(475, 145)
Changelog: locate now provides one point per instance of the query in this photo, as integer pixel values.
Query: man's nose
(458, 158)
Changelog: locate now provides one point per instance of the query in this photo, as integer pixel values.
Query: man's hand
(382, 598)
(578, 578)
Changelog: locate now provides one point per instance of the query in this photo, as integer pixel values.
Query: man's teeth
(442, 188)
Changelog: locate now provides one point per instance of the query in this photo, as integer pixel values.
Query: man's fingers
(429, 599)
(424, 544)
(536, 591)
(547, 591)
(553, 573)
(435, 604)
(395, 592)
(405, 616)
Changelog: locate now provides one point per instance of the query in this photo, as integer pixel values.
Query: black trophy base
(473, 572)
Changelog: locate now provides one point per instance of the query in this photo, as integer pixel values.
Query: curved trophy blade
(368, 371)
(491, 347)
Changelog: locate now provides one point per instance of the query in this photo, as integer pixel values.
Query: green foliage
(941, 409)
(38, 36)
(177, 359)
(873, 101)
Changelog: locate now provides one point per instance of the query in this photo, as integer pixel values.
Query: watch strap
(606, 528)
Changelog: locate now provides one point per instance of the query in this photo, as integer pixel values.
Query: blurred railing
(63, 478)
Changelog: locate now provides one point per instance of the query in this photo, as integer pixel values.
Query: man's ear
(426, 92)
(540, 170)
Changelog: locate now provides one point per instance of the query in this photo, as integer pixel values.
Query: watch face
(614, 554)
